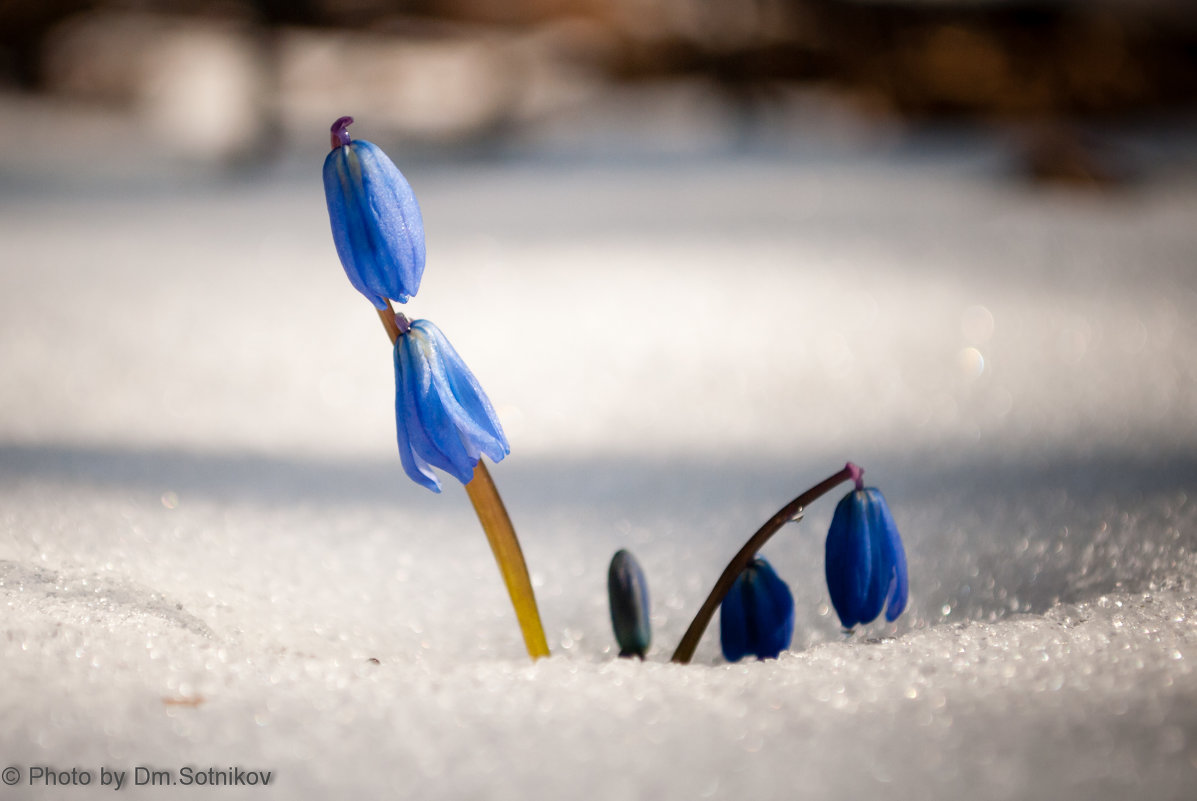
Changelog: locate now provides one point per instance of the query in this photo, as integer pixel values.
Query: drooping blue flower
(376, 222)
(627, 590)
(866, 563)
(757, 615)
(443, 417)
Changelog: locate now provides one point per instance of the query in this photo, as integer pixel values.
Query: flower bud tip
(340, 132)
(856, 473)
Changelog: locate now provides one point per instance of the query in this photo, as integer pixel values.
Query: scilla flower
(866, 564)
(376, 223)
(444, 419)
(627, 590)
(757, 616)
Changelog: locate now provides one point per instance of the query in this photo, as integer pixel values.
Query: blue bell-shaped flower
(757, 615)
(866, 563)
(443, 417)
(376, 222)
(627, 590)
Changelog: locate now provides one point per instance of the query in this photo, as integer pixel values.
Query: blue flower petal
(448, 430)
(627, 591)
(733, 625)
(896, 560)
(849, 562)
(881, 567)
(463, 397)
(434, 428)
(413, 440)
(865, 560)
(439, 432)
(376, 222)
(757, 615)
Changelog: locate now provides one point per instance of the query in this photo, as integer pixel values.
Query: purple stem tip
(857, 474)
(340, 136)
(402, 323)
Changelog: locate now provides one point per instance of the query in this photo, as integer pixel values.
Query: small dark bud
(627, 590)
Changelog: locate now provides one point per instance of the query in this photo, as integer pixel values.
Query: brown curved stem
(791, 511)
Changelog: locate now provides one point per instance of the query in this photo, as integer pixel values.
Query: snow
(209, 555)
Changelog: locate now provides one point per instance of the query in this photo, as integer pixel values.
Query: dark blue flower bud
(627, 590)
(376, 222)
(757, 616)
(866, 563)
(443, 417)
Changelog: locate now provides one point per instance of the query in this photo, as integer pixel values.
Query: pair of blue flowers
(443, 418)
(866, 572)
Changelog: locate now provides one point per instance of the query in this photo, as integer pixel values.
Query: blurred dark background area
(461, 70)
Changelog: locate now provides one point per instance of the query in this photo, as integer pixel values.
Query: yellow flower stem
(790, 512)
(501, 536)
(492, 514)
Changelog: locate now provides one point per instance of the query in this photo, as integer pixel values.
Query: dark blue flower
(376, 222)
(866, 564)
(444, 419)
(757, 616)
(627, 590)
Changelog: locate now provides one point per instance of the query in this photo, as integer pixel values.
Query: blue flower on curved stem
(376, 222)
(757, 616)
(443, 417)
(866, 563)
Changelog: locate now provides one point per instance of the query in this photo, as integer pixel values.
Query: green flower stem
(492, 514)
(790, 512)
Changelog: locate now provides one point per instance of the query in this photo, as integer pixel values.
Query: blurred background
(220, 83)
(1024, 167)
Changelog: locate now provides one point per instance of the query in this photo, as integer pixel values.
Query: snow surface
(209, 555)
